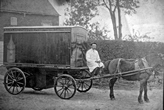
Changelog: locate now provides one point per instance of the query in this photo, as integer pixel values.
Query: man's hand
(98, 61)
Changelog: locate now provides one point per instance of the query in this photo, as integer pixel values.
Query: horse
(119, 65)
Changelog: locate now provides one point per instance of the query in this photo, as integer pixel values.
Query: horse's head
(155, 60)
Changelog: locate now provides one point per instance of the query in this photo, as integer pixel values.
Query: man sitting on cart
(93, 59)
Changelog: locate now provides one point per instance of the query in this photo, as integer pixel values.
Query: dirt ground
(97, 98)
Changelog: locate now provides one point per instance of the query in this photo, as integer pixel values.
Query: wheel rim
(14, 81)
(84, 85)
(65, 87)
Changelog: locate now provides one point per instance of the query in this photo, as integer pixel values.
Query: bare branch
(117, 5)
(110, 4)
(115, 8)
(106, 5)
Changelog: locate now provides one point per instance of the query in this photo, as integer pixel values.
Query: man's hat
(93, 43)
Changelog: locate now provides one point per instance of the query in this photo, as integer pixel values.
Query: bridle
(154, 68)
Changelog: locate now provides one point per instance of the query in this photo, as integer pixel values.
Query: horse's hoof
(147, 100)
(140, 101)
(112, 98)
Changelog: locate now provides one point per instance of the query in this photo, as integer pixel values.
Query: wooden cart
(46, 57)
(42, 57)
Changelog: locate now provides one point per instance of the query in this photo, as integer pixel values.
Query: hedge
(110, 49)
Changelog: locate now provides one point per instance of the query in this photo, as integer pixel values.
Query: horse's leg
(141, 90)
(111, 84)
(145, 92)
(100, 82)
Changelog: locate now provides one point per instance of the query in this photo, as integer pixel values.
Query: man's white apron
(91, 57)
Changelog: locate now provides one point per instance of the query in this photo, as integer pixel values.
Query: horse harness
(146, 65)
(137, 66)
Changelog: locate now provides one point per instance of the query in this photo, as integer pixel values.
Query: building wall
(26, 20)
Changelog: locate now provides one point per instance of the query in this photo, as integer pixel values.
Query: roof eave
(30, 13)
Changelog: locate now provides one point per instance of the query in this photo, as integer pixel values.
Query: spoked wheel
(84, 85)
(14, 81)
(65, 86)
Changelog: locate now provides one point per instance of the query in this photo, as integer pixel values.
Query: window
(13, 21)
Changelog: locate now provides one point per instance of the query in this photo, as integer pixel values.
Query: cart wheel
(14, 81)
(84, 85)
(65, 86)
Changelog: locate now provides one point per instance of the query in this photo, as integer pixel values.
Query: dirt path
(95, 99)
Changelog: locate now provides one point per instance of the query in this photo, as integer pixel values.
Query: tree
(128, 6)
(96, 33)
(81, 12)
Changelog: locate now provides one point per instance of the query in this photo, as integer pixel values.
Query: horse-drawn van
(46, 57)
(37, 56)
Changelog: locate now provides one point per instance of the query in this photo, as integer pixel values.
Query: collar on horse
(146, 65)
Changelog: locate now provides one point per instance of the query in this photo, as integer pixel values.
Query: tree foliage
(81, 12)
(129, 6)
(96, 33)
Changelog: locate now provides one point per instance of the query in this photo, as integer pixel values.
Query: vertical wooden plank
(58, 48)
(6, 41)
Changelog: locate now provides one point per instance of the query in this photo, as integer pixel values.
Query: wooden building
(27, 13)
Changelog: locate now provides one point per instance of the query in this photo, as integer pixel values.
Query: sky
(148, 19)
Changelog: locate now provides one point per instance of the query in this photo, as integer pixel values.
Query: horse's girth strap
(118, 66)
